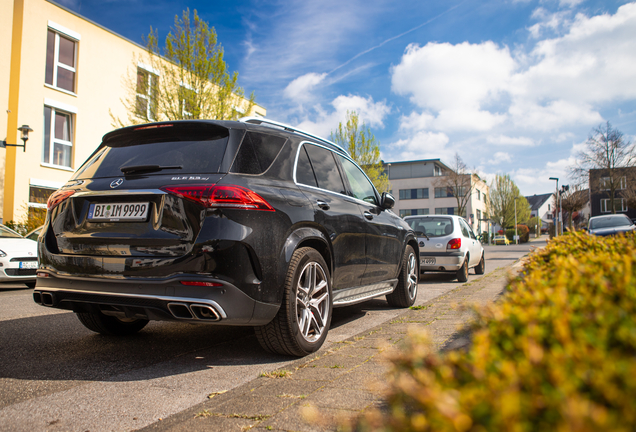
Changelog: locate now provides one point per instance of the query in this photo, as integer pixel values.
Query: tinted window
(196, 150)
(325, 169)
(432, 226)
(361, 187)
(304, 171)
(257, 152)
(610, 221)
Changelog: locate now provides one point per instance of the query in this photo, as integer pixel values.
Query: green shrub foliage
(557, 353)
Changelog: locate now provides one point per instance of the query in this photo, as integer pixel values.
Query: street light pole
(516, 234)
(556, 211)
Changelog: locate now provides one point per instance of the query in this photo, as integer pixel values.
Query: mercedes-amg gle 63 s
(231, 223)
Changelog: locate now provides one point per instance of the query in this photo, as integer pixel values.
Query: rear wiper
(420, 233)
(147, 168)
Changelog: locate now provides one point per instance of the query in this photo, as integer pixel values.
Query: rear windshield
(611, 221)
(432, 226)
(178, 151)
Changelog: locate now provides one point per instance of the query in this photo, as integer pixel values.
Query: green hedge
(557, 353)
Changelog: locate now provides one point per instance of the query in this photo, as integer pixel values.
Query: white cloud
(509, 141)
(370, 112)
(422, 145)
(300, 89)
(500, 157)
(552, 116)
(442, 76)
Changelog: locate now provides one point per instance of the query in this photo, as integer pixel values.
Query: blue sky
(513, 86)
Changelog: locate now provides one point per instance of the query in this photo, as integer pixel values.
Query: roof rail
(261, 120)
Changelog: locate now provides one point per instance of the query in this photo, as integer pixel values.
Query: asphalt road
(57, 375)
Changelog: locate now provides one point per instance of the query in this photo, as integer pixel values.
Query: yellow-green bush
(557, 353)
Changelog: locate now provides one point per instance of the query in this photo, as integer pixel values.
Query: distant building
(415, 186)
(599, 192)
(543, 207)
(62, 75)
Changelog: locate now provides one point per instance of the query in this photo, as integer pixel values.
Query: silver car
(447, 244)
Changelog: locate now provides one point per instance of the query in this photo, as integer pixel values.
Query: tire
(110, 325)
(405, 292)
(481, 267)
(304, 318)
(462, 273)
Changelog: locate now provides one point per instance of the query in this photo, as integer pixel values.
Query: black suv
(237, 223)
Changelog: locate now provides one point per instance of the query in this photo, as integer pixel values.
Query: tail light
(220, 196)
(57, 197)
(454, 244)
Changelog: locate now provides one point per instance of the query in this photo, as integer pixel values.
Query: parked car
(237, 223)
(447, 244)
(18, 258)
(610, 225)
(34, 234)
(501, 239)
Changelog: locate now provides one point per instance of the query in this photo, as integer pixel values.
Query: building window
(187, 97)
(478, 195)
(448, 211)
(58, 141)
(550, 217)
(478, 215)
(406, 194)
(61, 58)
(619, 205)
(146, 107)
(605, 183)
(446, 192)
(437, 171)
(413, 212)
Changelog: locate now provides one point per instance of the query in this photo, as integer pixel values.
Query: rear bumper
(450, 261)
(166, 300)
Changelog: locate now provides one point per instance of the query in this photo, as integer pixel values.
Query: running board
(349, 296)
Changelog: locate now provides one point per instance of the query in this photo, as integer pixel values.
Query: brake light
(57, 197)
(199, 283)
(220, 196)
(153, 127)
(454, 244)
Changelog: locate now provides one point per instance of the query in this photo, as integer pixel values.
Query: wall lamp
(25, 129)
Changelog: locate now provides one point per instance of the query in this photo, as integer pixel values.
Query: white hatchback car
(18, 258)
(447, 244)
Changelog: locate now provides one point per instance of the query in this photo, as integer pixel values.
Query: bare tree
(572, 200)
(606, 150)
(460, 182)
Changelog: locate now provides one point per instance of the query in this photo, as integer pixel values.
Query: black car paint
(248, 252)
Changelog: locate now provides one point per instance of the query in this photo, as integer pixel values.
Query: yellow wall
(104, 61)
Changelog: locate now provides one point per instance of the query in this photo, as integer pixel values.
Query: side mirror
(387, 201)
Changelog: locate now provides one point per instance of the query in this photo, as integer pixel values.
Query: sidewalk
(313, 393)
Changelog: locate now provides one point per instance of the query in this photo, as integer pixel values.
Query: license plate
(116, 212)
(427, 261)
(28, 264)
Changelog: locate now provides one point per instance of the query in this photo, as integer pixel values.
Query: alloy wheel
(312, 302)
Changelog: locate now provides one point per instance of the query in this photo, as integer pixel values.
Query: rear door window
(304, 171)
(257, 153)
(325, 169)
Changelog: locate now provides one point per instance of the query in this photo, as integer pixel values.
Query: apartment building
(419, 190)
(63, 77)
(599, 187)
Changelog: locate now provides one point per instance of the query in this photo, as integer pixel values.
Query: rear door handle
(323, 205)
(368, 215)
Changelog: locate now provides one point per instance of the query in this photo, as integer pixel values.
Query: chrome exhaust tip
(180, 310)
(204, 312)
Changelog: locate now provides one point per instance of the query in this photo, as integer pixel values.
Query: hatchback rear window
(432, 226)
(181, 150)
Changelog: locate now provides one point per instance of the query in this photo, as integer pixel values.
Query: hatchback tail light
(223, 196)
(57, 198)
(454, 244)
